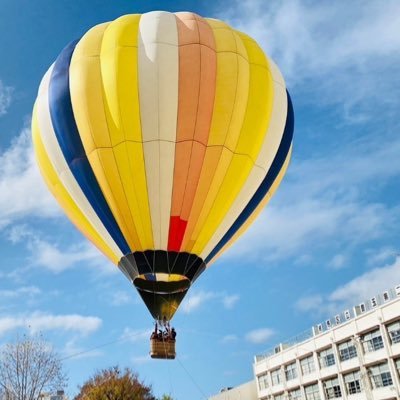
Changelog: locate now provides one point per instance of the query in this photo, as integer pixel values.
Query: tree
(114, 384)
(28, 367)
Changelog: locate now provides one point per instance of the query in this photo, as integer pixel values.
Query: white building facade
(353, 356)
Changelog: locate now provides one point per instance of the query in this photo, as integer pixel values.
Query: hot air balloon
(163, 136)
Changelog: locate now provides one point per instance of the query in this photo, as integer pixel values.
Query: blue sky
(328, 239)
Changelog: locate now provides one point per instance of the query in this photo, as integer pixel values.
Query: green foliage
(114, 384)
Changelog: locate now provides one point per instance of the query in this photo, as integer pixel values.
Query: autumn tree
(29, 367)
(115, 384)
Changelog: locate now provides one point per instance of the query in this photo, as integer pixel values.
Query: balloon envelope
(163, 136)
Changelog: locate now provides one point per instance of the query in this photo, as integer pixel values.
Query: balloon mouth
(162, 278)
(168, 284)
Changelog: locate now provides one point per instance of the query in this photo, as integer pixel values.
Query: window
(332, 388)
(326, 358)
(263, 381)
(386, 296)
(397, 362)
(291, 371)
(347, 350)
(394, 332)
(353, 382)
(276, 377)
(362, 307)
(312, 392)
(372, 341)
(380, 376)
(279, 397)
(307, 365)
(295, 394)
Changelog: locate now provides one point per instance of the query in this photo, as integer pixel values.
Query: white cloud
(135, 335)
(324, 201)
(40, 322)
(382, 255)
(258, 336)
(358, 289)
(120, 298)
(49, 256)
(368, 284)
(25, 291)
(139, 360)
(338, 261)
(229, 338)
(22, 191)
(195, 300)
(229, 301)
(72, 350)
(5, 97)
(311, 302)
(343, 46)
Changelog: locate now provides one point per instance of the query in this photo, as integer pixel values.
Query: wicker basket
(164, 349)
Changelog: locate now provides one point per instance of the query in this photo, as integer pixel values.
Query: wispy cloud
(358, 289)
(5, 97)
(338, 261)
(230, 301)
(135, 335)
(327, 201)
(384, 254)
(229, 338)
(26, 291)
(140, 360)
(50, 256)
(120, 298)
(343, 46)
(258, 336)
(41, 322)
(77, 352)
(22, 191)
(367, 284)
(197, 299)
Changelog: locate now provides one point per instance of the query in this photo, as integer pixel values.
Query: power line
(192, 379)
(121, 339)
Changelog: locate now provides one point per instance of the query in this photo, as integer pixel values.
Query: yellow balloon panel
(63, 198)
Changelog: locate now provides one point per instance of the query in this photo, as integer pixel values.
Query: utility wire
(127, 337)
(192, 379)
(121, 339)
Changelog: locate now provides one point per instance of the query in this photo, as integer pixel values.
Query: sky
(327, 240)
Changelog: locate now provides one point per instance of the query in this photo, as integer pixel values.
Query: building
(353, 356)
(247, 391)
(59, 395)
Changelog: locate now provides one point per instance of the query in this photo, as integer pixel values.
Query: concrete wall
(247, 391)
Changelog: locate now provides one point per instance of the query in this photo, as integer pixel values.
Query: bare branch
(28, 367)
